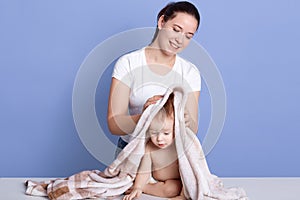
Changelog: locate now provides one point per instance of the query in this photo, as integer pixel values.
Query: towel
(118, 177)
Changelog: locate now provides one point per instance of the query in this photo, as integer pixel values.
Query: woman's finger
(187, 119)
(157, 97)
(152, 100)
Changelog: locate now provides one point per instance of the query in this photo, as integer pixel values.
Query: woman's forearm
(122, 124)
(193, 126)
(192, 110)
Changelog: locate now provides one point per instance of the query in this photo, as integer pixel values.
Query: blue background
(255, 45)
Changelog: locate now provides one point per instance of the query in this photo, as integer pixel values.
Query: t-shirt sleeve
(193, 78)
(122, 71)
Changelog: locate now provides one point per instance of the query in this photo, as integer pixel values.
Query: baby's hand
(135, 193)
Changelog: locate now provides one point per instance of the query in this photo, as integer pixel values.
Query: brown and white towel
(198, 182)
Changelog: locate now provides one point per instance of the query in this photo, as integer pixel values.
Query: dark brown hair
(171, 9)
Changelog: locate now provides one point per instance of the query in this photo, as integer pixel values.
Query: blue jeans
(121, 145)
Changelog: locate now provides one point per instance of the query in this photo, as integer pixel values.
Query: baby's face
(161, 132)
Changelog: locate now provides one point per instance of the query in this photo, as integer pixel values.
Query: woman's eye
(176, 30)
(189, 37)
(167, 133)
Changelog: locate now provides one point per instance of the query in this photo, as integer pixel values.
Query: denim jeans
(121, 145)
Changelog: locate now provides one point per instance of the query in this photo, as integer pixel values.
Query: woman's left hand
(187, 119)
(189, 122)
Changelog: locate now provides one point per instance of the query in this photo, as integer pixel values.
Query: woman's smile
(174, 45)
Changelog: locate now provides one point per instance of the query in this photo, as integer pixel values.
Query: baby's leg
(169, 188)
(180, 197)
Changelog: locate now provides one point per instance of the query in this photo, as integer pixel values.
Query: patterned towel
(198, 182)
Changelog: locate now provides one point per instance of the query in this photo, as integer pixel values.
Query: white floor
(256, 188)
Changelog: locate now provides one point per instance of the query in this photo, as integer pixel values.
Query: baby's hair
(169, 106)
(166, 112)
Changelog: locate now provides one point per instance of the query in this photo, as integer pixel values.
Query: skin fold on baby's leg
(168, 188)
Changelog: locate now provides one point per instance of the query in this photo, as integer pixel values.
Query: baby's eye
(167, 133)
(153, 133)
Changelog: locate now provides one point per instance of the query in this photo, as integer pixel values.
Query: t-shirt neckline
(151, 71)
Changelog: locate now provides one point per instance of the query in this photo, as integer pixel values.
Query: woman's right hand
(152, 100)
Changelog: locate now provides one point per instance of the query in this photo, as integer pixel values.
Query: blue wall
(255, 45)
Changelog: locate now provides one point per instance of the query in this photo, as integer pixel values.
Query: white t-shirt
(132, 70)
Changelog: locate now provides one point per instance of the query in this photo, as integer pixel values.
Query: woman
(140, 78)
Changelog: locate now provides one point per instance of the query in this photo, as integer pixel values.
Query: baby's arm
(142, 176)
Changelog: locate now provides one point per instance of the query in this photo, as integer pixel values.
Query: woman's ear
(160, 22)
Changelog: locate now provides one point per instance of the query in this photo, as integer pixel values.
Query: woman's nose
(179, 38)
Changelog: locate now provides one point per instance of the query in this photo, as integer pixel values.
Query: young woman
(141, 78)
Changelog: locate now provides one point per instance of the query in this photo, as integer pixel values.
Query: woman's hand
(189, 122)
(135, 193)
(191, 111)
(152, 100)
(187, 119)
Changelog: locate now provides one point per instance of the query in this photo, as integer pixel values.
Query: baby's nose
(159, 137)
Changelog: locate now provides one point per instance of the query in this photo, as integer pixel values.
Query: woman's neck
(155, 55)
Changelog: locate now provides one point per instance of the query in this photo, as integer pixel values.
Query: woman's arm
(191, 111)
(118, 119)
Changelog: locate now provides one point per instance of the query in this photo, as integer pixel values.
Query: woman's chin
(169, 52)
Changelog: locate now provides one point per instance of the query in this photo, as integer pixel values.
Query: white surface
(14, 189)
(256, 188)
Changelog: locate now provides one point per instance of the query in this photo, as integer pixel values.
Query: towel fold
(198, 182)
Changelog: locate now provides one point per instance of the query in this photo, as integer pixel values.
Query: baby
(160, 159)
